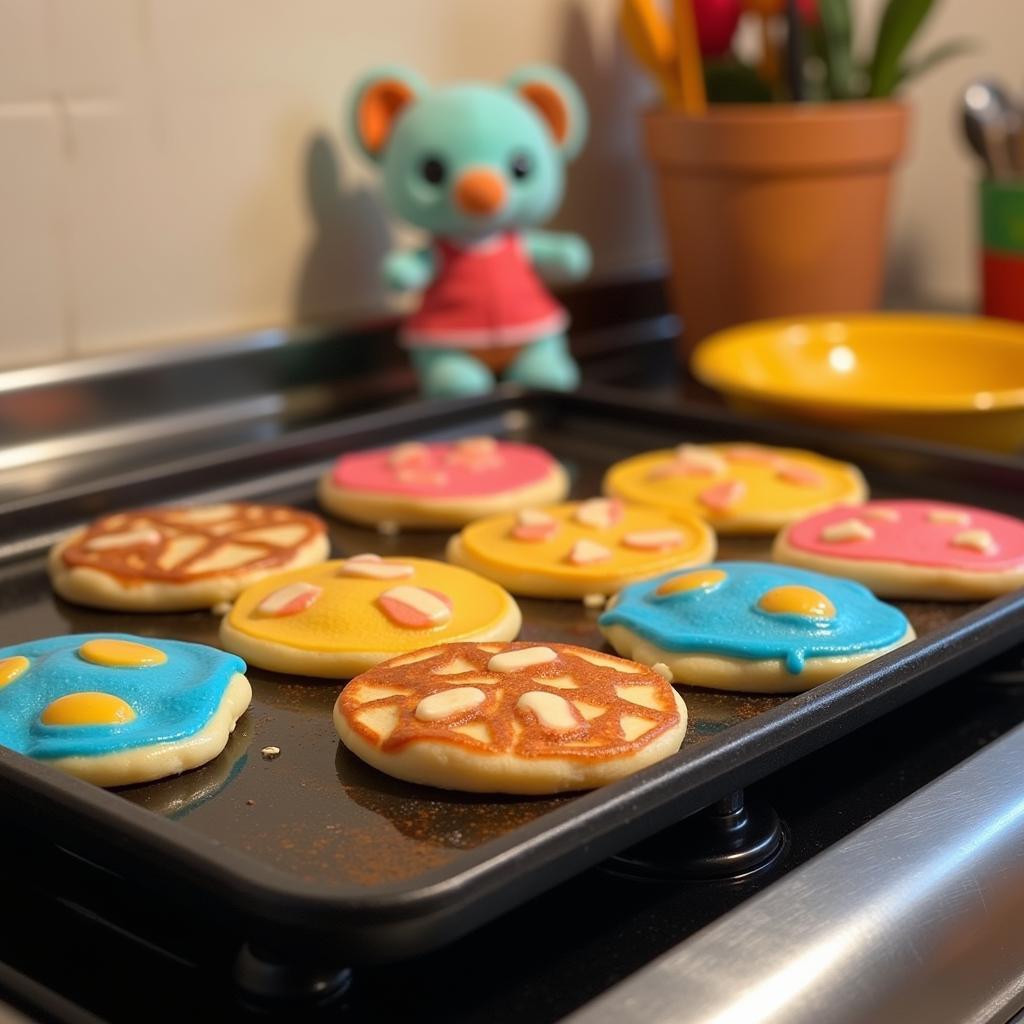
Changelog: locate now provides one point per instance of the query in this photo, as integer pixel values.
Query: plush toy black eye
(520, 165)
(433, 170)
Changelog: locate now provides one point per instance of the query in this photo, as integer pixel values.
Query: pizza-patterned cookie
(930, 550)
(441, 484)
(579, 548)
(738, 488)
(510, 718)
(115, 709)
(342, 617)
(175, 559)
(753, 626)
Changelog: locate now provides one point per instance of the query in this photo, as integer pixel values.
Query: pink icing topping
(915, 539)
(416, 607)
(444, 471)
(796, 473)
(724, 495)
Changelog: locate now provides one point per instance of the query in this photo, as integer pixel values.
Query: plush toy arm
(409, 269)
(561, 253)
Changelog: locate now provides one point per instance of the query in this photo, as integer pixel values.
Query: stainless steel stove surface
(894, 897)
(89, 937)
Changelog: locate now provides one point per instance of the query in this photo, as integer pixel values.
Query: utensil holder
(1002, 248)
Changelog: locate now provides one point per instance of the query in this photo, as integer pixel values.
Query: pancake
(177, 559)
(510, 718)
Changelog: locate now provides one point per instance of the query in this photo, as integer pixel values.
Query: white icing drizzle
(653, 540)
(105, 542)
(448, 703)
(587, 552)
(976, 540)
(600, 513)
(374, 567)
(289, 599)
(552, 711)
(949, 515)
(523, 657)
(847, 530)
(425, 604)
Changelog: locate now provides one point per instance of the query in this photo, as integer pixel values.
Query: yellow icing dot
(11, 668)
(702, 579)
(797, 600)
(87, 708)
(120, 654)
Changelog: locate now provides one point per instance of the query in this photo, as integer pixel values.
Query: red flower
(716, 23)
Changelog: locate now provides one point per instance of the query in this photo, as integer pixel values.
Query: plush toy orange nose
(479, 191)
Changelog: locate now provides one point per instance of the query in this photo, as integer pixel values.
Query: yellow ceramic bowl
(953, 379)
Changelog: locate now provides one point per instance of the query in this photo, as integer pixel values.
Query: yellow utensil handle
(650, 37)
(689, 64)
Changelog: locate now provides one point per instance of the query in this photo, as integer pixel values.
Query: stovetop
(79, 944)
(124, 956)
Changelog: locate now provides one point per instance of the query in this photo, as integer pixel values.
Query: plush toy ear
(554, 96)
(379, 100)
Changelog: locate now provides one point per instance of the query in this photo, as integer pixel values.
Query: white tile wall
(25, 51)
(176, 169)
(33, 269)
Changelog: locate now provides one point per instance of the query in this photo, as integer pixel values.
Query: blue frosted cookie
(116, 709)
(752, 626)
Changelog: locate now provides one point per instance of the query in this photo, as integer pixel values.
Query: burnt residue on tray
(314, 811)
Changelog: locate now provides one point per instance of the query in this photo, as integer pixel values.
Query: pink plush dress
(484, 297)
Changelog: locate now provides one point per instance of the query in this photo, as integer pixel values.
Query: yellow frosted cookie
(342, 617)
(510, 718)
(579, 548)
(738, 488)
(175, 559)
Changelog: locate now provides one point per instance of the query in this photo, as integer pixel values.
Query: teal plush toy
(478, 167)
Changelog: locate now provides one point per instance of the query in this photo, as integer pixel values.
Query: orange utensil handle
(689, 65)
(649, 35)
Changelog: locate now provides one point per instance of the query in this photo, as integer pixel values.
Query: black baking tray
(316, 854)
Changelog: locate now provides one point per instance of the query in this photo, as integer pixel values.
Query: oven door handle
(916, 916)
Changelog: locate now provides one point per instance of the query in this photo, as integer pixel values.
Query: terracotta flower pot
(774, 209)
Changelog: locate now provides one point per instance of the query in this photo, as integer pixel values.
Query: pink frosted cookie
(441, 484)
(913, 549)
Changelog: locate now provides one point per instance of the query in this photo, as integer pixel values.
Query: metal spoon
(991, 120)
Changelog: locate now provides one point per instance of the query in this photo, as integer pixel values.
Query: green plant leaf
(729, 81)
(815, 36)
(897, 27)
(939, 55)
(837, 31)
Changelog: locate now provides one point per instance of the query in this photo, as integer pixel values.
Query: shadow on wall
(904, 274)
(610, 196)
(340, 273)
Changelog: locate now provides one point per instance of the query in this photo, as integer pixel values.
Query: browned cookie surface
(182, 545)
(527, 700)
